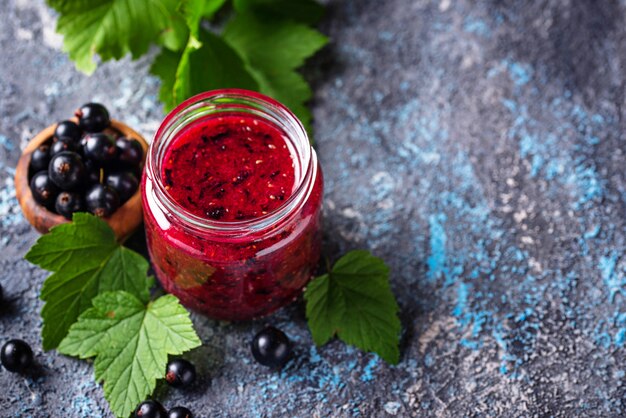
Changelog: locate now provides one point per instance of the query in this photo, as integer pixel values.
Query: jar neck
(232, 102)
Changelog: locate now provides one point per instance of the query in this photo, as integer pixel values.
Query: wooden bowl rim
(123, 222)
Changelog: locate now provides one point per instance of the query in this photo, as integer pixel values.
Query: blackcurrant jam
(232, 196)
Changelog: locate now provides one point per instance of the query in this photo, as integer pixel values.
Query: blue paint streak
(368, 370)
(520, 73)
(477, 26)
(437, 259)
(386, 35)
(620, 337)
(613, 280)
(6, 143)
(592, 233)
(461, 300)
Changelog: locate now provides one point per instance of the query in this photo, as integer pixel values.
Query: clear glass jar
(234, 270)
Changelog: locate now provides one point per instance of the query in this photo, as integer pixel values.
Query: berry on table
(179, 412)
(68, 129)
(69, 202)
(44, 190)
(99, 147)
(271, 347)
(130, 151)
(150, 409)
(16, 356)
(67, 170)
(102, 200)
(180, 373)
(124, 183)
(93, 117)
(40, 158)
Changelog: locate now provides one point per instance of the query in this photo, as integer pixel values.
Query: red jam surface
(231, 168)
(239, 169)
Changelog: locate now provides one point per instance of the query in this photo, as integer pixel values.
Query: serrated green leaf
(290, 88)
(354, 302)
(86, 260)
(211, 66)
(111, 28)
(272, 49)
(272, 43)
(195, 10)
(305, 11)
(206, 64)
(131, 343)
(164, 67)
(175, 37)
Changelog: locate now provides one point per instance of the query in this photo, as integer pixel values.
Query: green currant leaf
(112, 28)
(131, 342)
(164, 67)
(272, 50)
(86, 260)
(305, 11)
(354, 302)
(206, 64)
(195, 10)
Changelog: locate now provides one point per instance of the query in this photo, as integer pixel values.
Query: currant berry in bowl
(88, 163)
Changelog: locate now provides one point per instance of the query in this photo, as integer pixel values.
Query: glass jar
(234, 270)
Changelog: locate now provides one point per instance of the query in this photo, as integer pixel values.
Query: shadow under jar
(232, 195)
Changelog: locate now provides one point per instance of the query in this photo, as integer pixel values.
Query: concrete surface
(477, 146)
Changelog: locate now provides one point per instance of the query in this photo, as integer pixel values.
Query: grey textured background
(477, 146)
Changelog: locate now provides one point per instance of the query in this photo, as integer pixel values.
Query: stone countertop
(478, 147)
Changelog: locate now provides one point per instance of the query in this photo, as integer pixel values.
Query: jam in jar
(232, 195)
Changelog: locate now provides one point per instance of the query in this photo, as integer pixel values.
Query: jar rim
(283, 117)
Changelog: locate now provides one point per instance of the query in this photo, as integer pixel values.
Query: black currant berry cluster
(86, 166)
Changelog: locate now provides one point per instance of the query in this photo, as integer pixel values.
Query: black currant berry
(271, 347)
(124, 183)
(94, 171)
(102, 200)
(179, 412)
(44, 190)
(93, 117)
(180, 373)
(67, 170)
(64, 144)
(130, 151)
(150, 409)
(68, 129)
(99, 147)
(40, 158)
(1, 293)
(16, 356)
(69, 202)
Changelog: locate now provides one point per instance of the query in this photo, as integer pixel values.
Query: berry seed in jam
(229, 168)
(232, 196)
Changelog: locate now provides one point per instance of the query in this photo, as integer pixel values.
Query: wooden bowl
(124, 221)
